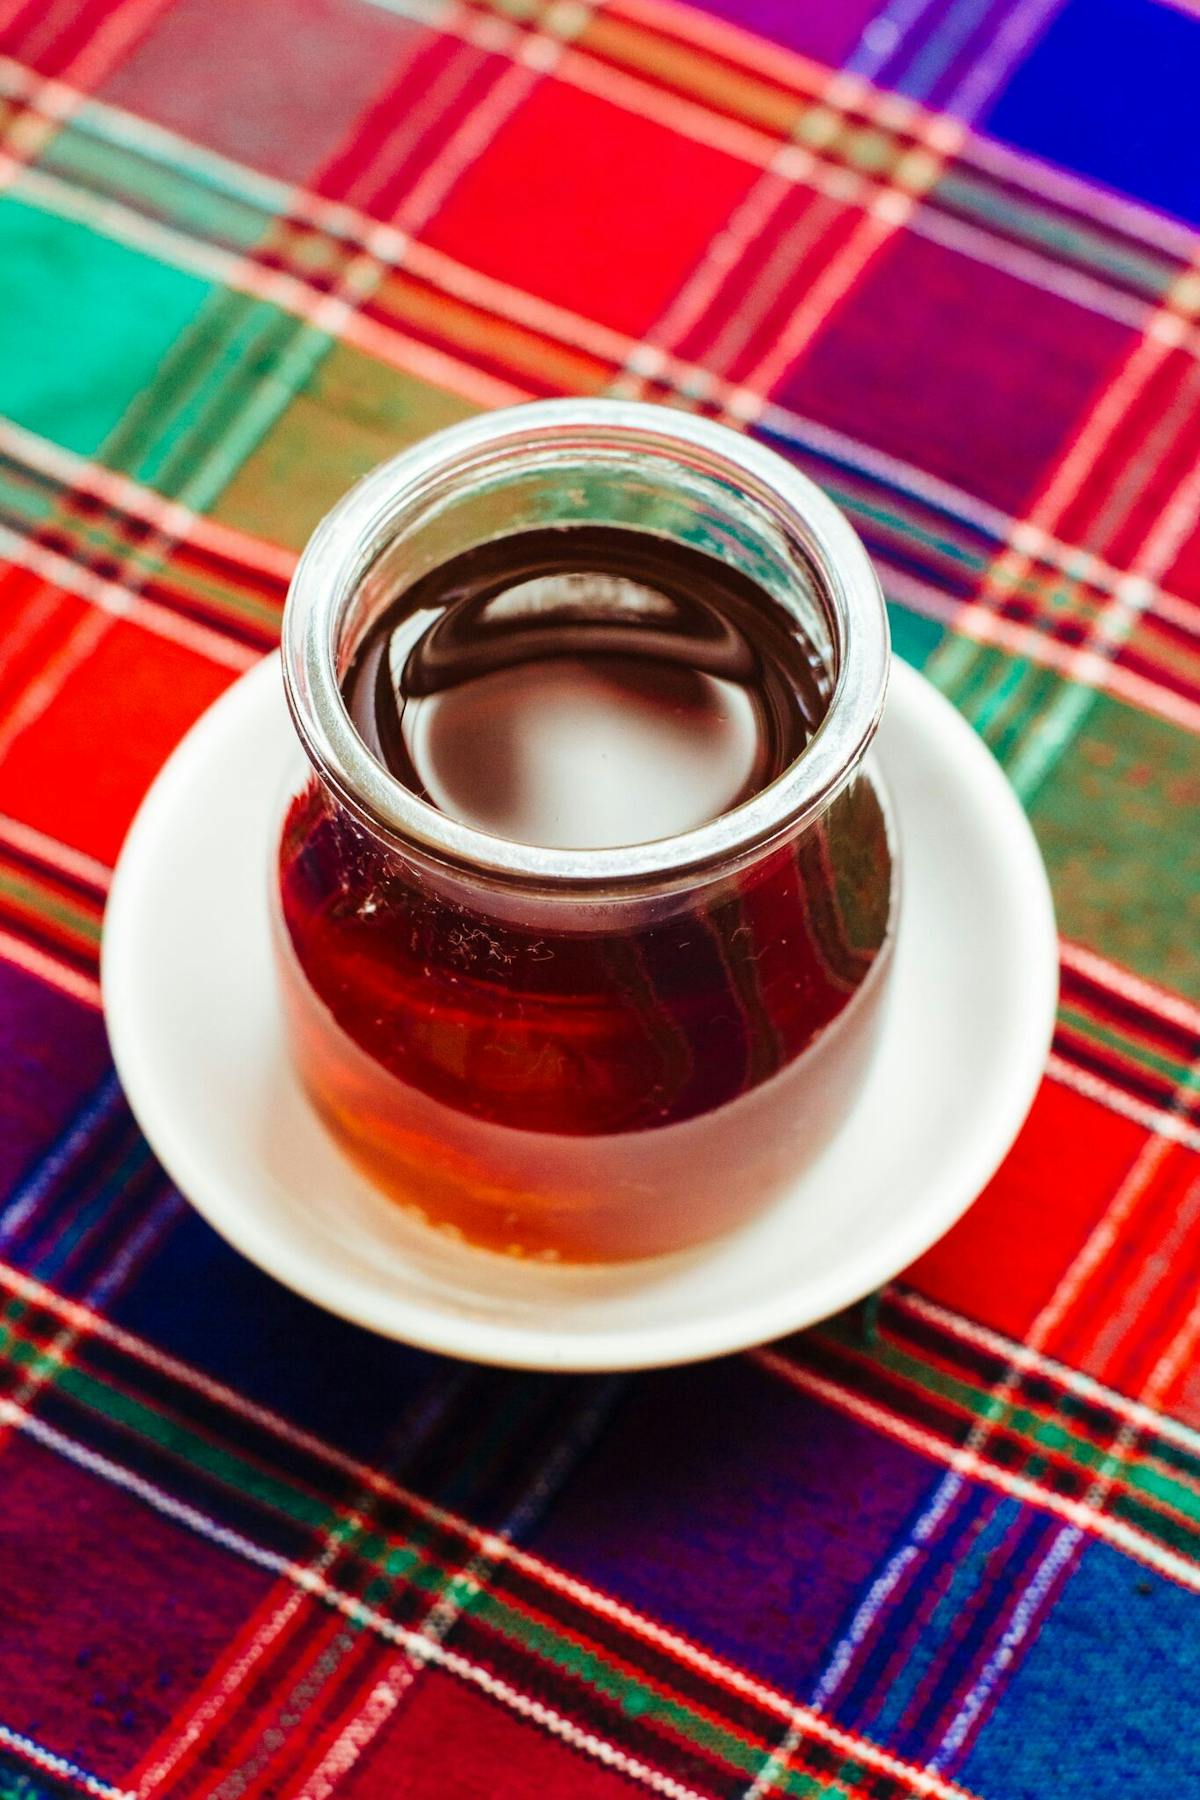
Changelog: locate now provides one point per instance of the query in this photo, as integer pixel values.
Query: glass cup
(598, 1054)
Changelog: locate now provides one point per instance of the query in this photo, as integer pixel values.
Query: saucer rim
(431, 1324)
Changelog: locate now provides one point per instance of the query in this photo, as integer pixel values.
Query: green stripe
(853, 501)
(1133, 1051)
(1073, 243)
(265, 194)
(996, 702)
(16, 1783)
(22, 494)
(90, 534)
(210, 197)
(409, 1562)
(1134, 1511)
(1038, 690)
(1053, 1436)
(45, 904)
(24, 498)
(228, 377)
(969, 674)
(201, 386)
(182, 198)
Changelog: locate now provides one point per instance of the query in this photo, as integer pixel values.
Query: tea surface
(584, 688)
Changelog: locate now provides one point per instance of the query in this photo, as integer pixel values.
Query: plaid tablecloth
(941, 253)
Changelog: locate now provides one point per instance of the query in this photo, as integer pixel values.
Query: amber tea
(627, 1078)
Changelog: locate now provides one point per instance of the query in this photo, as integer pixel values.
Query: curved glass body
(585, 1054)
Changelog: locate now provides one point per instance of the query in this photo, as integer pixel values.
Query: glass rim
(332, 565)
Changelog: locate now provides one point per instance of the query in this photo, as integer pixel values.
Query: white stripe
(591, 1599)
(694, 120)
(58, 855)
(893, 472)
(973, 624)
(425, 1649)
(1022, 1356)
(687, 118)
(1008, 164)
(397, 250)
(1163, 1124)
(789, 68)
(1035, 270)
(171, 516)
(883, 35)
(53, 1764)
(580, 1592)
(868, 1611)
(969, 1463)
(1132, 987)
(121, 602)
(348, 1746)
(1063, 1549)
(1022, 1620)
(48, 968)
(577, 332)
(1073, 192)
(999, 58)
(210, 263)
(384, 242)
(976, 624)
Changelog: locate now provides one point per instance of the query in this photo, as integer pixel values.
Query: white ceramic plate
(189, 992)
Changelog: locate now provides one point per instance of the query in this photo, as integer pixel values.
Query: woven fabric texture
(941, 253)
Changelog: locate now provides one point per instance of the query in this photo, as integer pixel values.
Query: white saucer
(189, 991)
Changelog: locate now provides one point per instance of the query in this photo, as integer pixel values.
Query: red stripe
(353, 174)
(467, 89)
(1106, 1003)
(1081, 520)
(266, 1702)
(1158, 486)
(1075, 1333)
(1141, 1084)
(210, 1685)
(38, 620)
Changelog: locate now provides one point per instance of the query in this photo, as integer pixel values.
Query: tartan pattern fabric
(942, 256)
